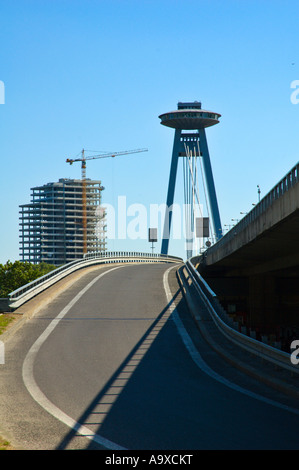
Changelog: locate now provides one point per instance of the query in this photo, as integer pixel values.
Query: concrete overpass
(254, 268)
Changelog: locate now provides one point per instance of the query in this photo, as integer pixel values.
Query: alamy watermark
(295, 353)
(2, 92)
(132, 221)
(295, 94)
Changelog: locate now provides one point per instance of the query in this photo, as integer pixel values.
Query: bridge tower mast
(190, 117)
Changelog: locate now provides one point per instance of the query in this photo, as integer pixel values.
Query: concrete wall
(4, 305)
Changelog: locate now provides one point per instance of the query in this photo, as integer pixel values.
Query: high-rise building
(51, 225)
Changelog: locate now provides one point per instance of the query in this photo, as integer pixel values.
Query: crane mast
(83, 160)
(84, 210)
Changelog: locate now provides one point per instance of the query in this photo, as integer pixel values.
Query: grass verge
(5, 320)
(4, 445)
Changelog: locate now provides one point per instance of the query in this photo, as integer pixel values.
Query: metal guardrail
(284, 185)
(130, 254)
(224, 323)
(24, 293)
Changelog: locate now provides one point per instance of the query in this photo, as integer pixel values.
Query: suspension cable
(205, 192)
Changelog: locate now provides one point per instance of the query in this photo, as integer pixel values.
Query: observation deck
(189, 116)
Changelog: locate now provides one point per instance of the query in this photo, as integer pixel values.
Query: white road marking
(39, 396)
(195, 355)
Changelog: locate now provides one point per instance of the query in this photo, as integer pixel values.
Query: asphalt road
(115, 362)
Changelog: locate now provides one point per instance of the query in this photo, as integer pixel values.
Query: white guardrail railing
(19, 296)
(225, 325)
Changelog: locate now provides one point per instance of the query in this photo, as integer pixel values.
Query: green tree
(17, 274)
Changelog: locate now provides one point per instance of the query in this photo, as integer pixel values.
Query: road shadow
(118, 412)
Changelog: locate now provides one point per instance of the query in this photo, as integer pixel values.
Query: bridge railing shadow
(97, 412)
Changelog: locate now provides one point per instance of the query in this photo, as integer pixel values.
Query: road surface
(115, 362)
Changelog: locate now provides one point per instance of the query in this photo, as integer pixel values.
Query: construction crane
(83, 160)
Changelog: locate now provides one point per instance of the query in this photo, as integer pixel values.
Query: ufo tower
(190, 122)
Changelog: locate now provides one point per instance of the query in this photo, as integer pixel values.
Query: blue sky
(96, 74)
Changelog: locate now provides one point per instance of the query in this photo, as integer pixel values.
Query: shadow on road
(117, 419)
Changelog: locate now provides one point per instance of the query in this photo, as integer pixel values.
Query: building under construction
(59, 225)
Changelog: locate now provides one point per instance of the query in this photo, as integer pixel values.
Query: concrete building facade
(51, 225)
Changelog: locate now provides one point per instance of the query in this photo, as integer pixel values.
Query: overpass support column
(263, 301)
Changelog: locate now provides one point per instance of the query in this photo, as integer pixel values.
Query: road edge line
(38, 395)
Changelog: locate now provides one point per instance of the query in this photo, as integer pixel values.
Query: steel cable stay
(192, 207)
(191, 198)
(205, 191)
(187, 208)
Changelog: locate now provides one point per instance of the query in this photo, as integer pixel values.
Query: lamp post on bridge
(259, 192)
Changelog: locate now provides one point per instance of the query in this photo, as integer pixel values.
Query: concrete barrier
(250, 344)
(4, 305)
(30, 290)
